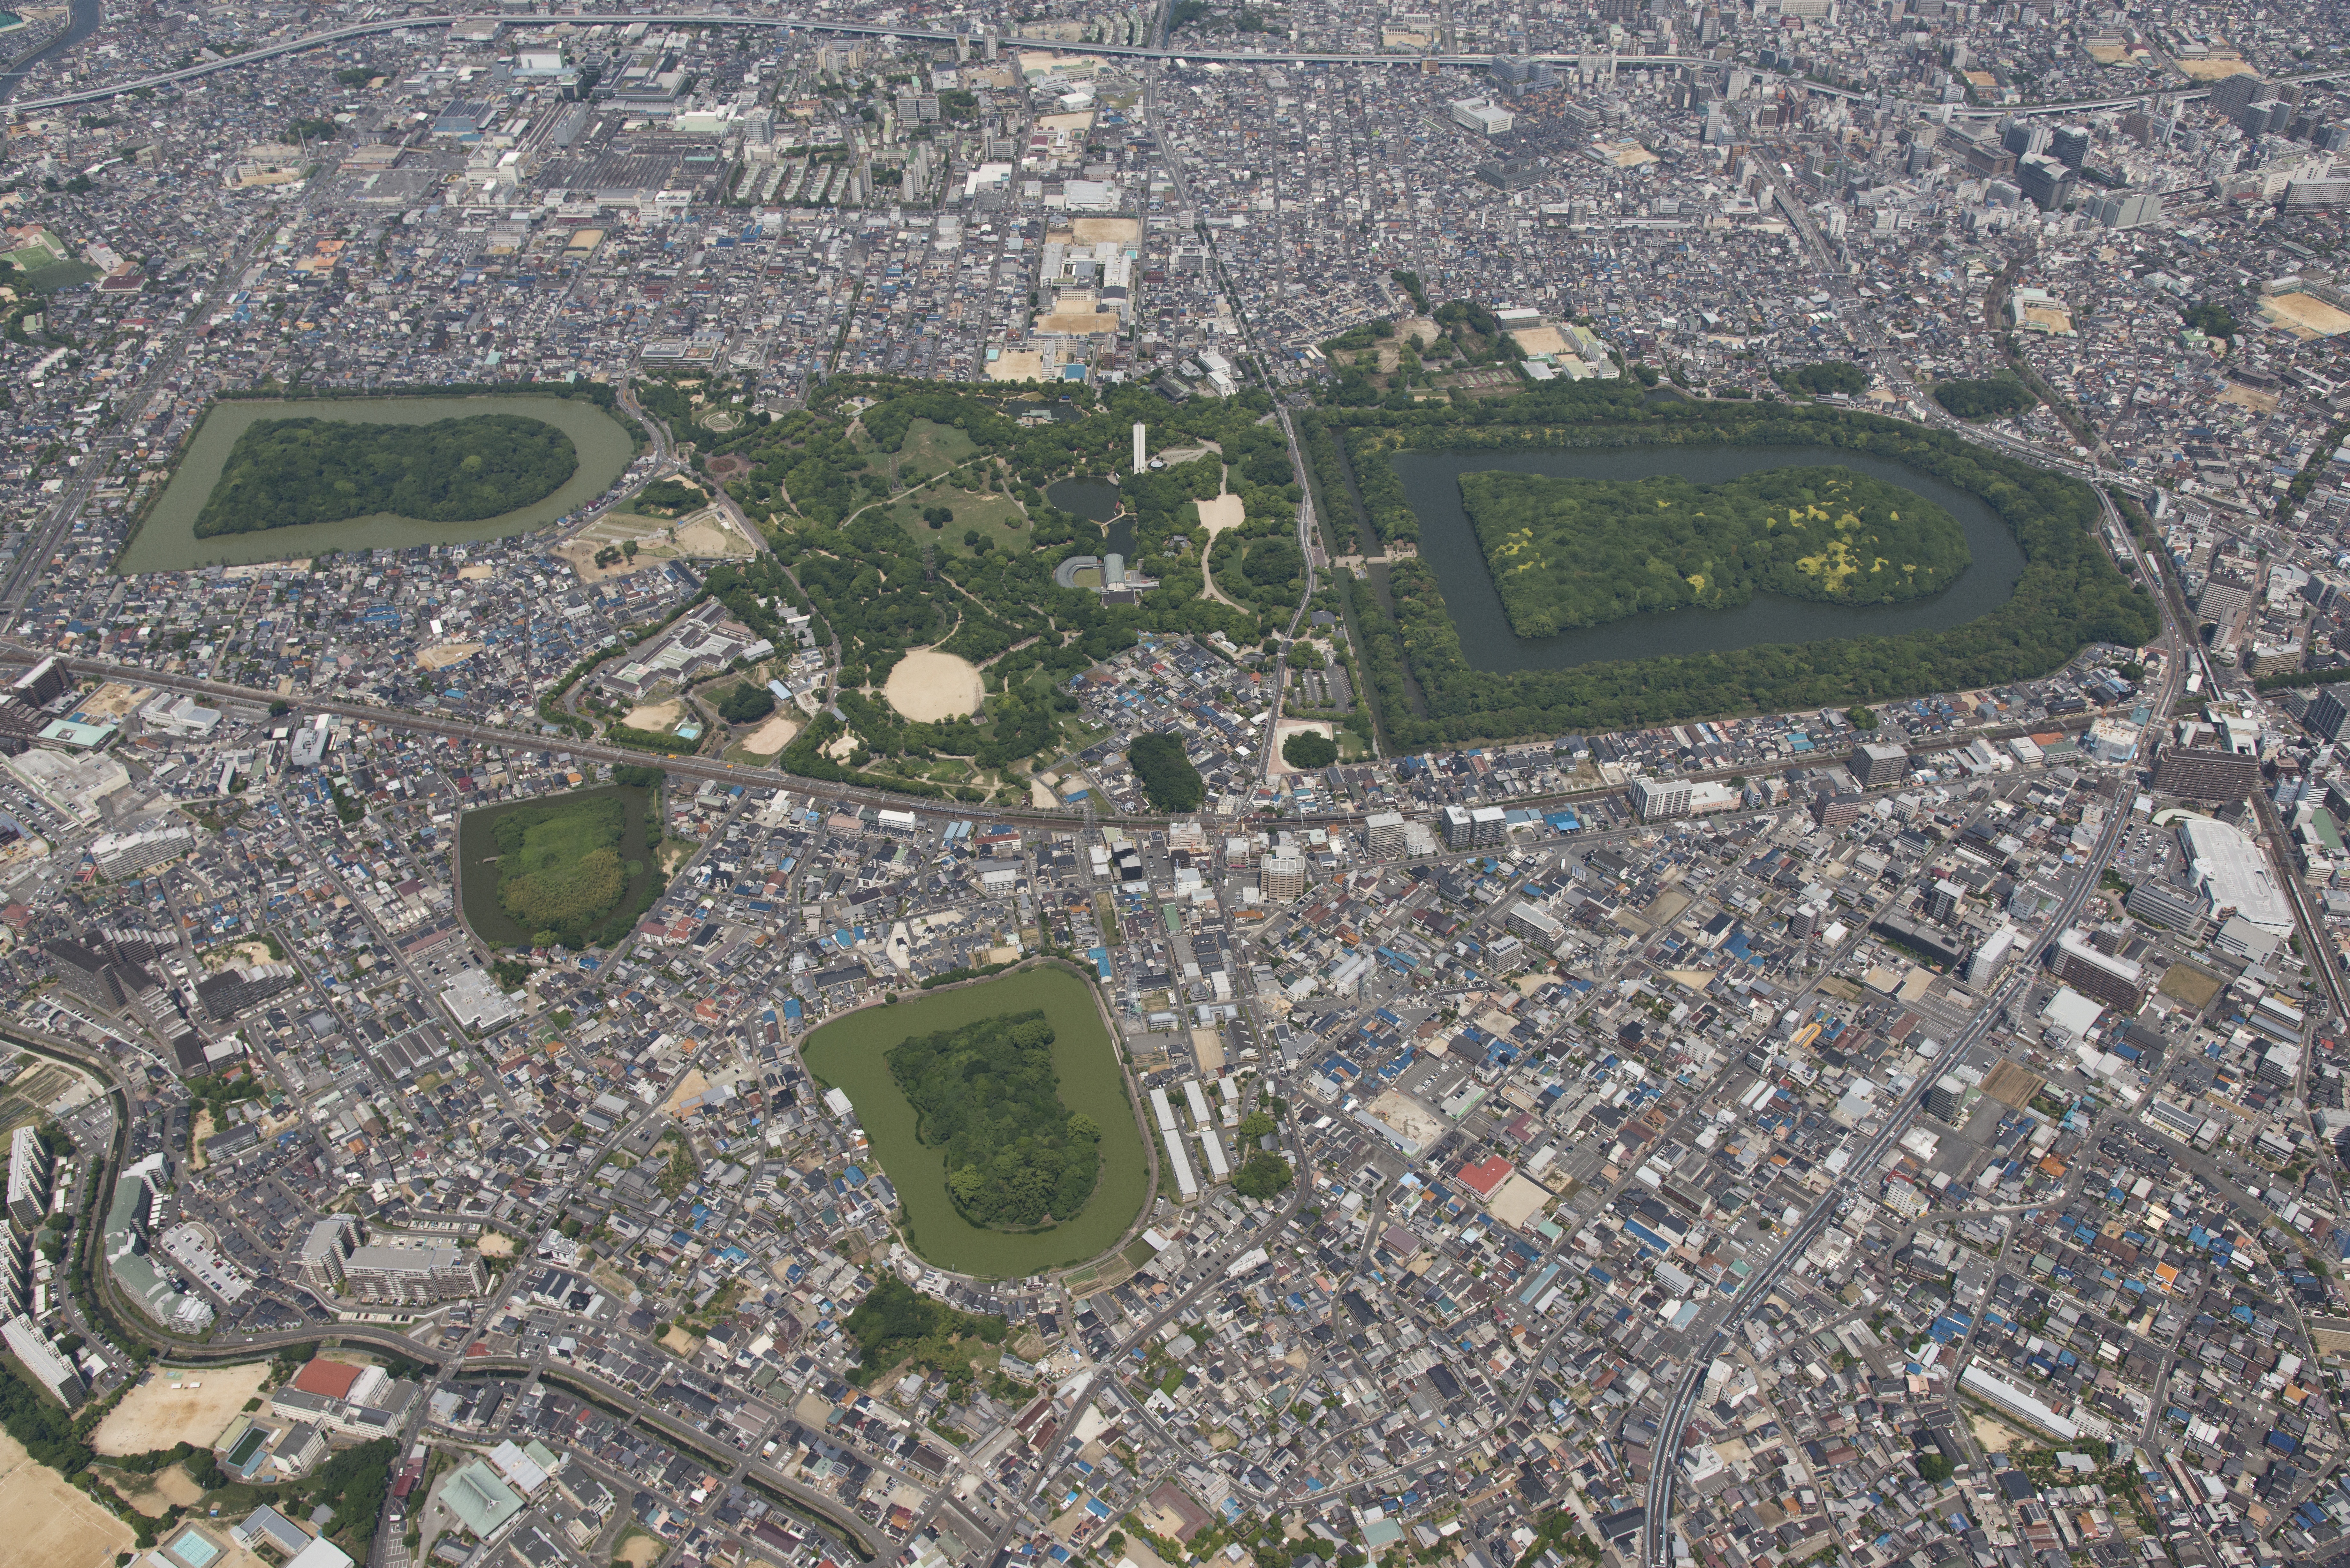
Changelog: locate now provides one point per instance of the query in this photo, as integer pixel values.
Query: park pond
(851, 1055)
(477, 859)
(166, 541)
(1449, 544)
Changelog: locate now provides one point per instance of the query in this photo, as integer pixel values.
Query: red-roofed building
(1481, 1177)
(327, 1379)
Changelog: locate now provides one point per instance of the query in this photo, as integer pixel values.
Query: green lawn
(993, 513)
(932, 449)
(559, 867)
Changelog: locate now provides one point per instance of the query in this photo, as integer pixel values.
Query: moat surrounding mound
(284, 473)
(987, 1094)
(1567, 553)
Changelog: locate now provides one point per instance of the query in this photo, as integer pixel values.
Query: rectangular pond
(1449, 544)
(851, 1053)
(167, 542)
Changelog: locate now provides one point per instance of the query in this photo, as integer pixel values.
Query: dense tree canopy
(1828, 376)
(559, 866)
(1984, 400)
(895, 1323)
(1167, 777)
(285, 472)
(1309, 749)
(745, 701)
(1581, 552)
(987, 1094)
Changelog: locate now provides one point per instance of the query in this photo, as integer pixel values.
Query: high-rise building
(2116, 981)
(2168, 904)
(28, 1179)
(1281, 877)
(1942, 899)
(414, 1275)
(1383, 833)
(1489, 826)
(1657, 800)
(2206, 771)
(2329, 713)
(2046, 184)
(1983, 964)
(1843, 810)
(2231, 95)
(34, 1352)
(87, 974)
(44, 683)
(1875, 765)
(2070, 145)
(331, 1242)
(1943, 1097)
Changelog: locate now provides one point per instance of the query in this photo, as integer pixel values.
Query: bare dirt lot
(653, 716)
(495, 1245)
(1093, 231)
(44, 1521)
(440, 656)
(926, 685)
(771, 736)
(692, 1084)
(2305, 315)
(160, 1412)
(1219, 513)
(155, 1495)
(2211, 70)
(639, 1551)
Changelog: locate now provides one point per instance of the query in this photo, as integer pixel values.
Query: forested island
(1581, 552)
(283, 474)
(560, 872)
(1016, 1157)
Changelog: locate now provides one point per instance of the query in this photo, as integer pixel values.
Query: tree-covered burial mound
(285, 472)
(1015, 1156)
(560, 868)
(1569, 553)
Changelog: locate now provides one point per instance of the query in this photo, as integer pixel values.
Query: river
(1447, 543)
(167, 542)
(82, 19)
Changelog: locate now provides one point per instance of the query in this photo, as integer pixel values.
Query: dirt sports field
(158, 1412)
(927, 686)
(44, 1521)
(2305, 315)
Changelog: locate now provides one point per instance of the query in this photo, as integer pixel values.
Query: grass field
(993, 515)
(559, 865)
(932, 449)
